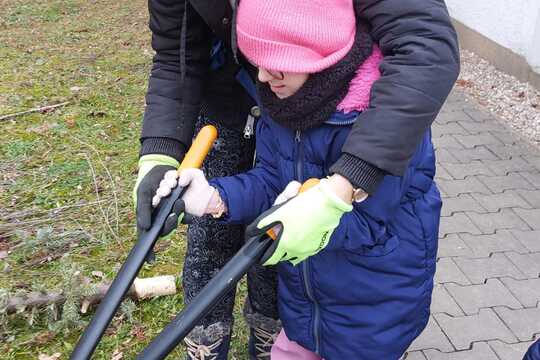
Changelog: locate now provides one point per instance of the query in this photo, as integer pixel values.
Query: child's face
(283, 84)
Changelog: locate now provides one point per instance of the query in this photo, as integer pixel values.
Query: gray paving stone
(451, 128)
(529, 264)
(504, 219)
(470, 141)
(509, 351)
(468, 155)
(469, 185)
(496, 202)
(453, 245)
(497, 184)
(481, 126)
(531, 196)
(443, 155)
(461, 203)
(472, 298)
(415, 355)
(479, 351)
(457, 223)
(506, 152)
(446, 117)
(431, 338)
(441, 173)
(461, 171)
(531, 217)
(503, 167)
(531, 239)
(526, 291)
(442, 302)
(506, 137)
(477, 114)
(448, 272)
(534, 160)
(533, 178)
(462, 331)
(478, 270)
(447, 141)
(484, 245)
(524, 323)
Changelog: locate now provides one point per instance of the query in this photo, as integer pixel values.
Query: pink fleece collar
(360, 87)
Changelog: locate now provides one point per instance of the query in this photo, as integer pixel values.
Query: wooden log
(141, 289)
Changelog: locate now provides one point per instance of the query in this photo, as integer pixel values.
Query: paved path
(486, 302)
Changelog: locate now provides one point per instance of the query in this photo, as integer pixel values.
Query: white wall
(514, 24)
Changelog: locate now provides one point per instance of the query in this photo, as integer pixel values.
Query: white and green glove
(307, 222)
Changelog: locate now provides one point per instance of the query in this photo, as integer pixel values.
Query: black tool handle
(205, 301)
(121, 284)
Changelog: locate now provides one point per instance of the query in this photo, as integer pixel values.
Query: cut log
(141, 289)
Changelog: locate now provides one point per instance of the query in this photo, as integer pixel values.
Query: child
(362, 289)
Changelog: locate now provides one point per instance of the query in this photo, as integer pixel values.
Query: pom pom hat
(302, 36)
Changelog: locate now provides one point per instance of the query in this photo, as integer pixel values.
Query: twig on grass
(96, 188)
(38, 109)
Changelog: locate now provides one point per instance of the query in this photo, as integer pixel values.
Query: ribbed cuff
(164, 146)
(360, 173)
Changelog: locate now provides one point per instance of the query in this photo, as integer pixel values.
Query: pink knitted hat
(305, 36)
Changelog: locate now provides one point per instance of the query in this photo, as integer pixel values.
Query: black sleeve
(175, 85)
(420, 66)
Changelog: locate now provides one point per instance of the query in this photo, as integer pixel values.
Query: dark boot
(211, 343)
(263, 331)
(260, 343)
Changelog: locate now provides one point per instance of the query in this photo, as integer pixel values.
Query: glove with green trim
(152, 169)
(306, 223)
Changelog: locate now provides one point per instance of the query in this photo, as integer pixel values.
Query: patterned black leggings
(211, 244)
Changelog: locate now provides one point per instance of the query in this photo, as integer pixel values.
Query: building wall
(513, 24)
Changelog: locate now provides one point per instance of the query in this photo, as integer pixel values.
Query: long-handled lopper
(252, 252)
(136, 258)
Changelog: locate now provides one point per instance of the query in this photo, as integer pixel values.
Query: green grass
(97, 56)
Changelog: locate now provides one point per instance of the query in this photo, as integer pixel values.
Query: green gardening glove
(306, 224)
(152, 169)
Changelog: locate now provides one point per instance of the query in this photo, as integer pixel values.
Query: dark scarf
(318, 98)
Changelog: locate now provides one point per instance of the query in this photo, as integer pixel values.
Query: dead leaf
(162, 246)
(54, 356)
(117, 355)
(138, 333)
(97, 113)
(70, 122)
(464, 83)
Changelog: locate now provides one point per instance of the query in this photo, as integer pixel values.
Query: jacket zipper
(249, 129)
(305, 265)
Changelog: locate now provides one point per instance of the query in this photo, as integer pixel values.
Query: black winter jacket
(421, 64)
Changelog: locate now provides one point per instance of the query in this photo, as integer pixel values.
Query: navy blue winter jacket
(367, 294)
(534, 352)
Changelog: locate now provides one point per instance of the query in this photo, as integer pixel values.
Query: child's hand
(291, 190)
(200, 198)
(307, 222)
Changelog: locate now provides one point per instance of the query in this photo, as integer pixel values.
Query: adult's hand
(152, 169)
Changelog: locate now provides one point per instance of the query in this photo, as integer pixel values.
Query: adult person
(421, 63)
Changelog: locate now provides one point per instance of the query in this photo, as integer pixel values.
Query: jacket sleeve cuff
(164, 146)
(360, 173)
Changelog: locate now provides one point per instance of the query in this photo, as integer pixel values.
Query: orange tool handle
(199, 148)
(308, 184)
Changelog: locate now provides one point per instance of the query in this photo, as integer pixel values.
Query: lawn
(66, 174)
